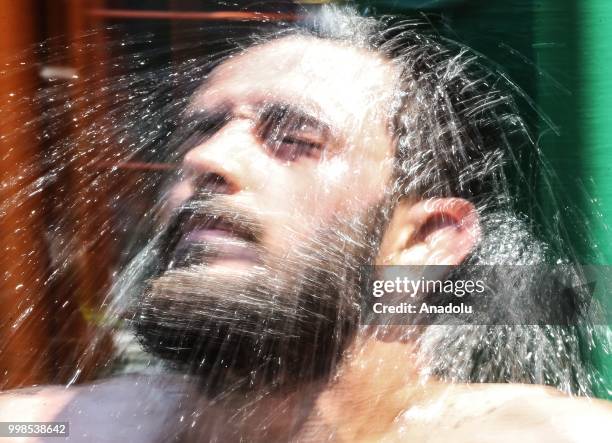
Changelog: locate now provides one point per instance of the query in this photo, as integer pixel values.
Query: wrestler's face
(295, 134)
(277, 213)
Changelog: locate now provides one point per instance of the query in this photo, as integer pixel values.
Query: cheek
(351, 184)
(332, 173)
(335, 187)
(330, 193)
(310, 195)
(301, 198)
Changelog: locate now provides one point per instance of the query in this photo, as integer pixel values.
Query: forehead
(341, 83)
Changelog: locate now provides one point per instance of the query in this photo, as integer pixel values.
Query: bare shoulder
(505, 413)
(134, 409)
(35, 404)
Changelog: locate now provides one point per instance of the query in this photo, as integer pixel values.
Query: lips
(217, 225)
(205, 240)
(226, 244)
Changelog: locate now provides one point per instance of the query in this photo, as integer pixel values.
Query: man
(309, 157)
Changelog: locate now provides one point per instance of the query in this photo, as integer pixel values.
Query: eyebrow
(279, 108)
(296, 111)
(292, 112)
(205, 115)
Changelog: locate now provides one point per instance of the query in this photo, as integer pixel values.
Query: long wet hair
(459, 133)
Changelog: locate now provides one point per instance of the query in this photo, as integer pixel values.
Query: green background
(559, 52)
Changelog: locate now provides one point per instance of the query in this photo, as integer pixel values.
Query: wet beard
(279, 324)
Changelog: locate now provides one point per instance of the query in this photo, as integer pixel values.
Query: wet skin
(331, 159)
(337, 163)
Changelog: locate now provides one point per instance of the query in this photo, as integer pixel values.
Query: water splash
(105, 230)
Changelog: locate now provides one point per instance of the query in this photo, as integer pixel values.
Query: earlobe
(441, 231)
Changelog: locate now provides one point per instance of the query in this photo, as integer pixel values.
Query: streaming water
(94, 212)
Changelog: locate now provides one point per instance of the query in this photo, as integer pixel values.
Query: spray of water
(288, 319)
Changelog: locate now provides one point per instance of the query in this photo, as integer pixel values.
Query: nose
(223, 162)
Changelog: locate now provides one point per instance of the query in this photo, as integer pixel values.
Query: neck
(371, 387)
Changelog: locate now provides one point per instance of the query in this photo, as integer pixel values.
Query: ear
(440, 231)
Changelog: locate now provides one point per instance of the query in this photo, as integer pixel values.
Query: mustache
(208, 211)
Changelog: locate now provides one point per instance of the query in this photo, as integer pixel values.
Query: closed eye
(289, 134)
(292, 148)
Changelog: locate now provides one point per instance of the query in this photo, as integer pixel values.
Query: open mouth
(205, 239)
